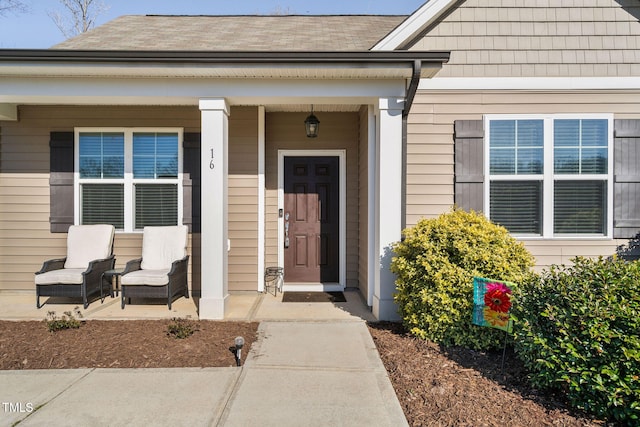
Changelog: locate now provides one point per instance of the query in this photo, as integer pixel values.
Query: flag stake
(504, 352)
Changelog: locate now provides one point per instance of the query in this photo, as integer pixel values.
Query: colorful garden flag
(491, 303)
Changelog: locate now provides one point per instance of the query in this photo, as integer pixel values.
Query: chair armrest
(179, 266)
(100, 265)
(52, 264)
(132, 265)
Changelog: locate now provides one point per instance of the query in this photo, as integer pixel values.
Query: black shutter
(61, 181)
(191, 182)
(469, 164)
(626, 187)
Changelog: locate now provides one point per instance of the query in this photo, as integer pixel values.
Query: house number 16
(211, 164)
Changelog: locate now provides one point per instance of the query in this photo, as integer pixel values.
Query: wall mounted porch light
(312, 125)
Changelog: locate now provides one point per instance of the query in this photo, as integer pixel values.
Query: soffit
(305, 108)
(221, 71)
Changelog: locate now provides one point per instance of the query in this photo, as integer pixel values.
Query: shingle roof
(237, 33)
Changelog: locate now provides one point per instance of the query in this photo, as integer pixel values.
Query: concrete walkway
(312, 365)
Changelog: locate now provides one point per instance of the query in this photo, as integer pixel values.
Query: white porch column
(388, 203)
(214, 184)
(373, 276)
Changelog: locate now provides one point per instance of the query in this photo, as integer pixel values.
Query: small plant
(181, 328)
(67, 321)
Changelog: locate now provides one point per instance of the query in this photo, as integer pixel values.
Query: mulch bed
(120, 344)
(459, 387)
(435, 386)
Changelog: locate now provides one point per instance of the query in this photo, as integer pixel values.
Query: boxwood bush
(579, 333)
(435, 265)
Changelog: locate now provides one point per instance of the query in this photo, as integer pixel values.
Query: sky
(36, 30)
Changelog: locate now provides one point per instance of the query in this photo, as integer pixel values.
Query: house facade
(528, 113)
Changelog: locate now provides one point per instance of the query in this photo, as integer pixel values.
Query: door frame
(342, 246)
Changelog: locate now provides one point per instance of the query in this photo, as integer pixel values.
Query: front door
(311, 219)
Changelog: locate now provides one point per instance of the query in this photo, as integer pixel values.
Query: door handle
(286, 230)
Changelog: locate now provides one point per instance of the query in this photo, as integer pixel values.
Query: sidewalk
(312, 365)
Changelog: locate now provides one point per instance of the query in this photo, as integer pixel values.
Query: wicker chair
(162, 270)
(80, 273)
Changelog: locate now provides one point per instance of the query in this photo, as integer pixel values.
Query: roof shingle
(237, 33)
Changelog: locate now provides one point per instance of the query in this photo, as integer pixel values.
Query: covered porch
(241, 226)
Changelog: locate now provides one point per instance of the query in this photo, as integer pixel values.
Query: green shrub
(579, 333)
(435, 265)
(67, 321)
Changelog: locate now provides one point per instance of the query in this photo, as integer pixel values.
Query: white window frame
(548, 175)
(128, 180)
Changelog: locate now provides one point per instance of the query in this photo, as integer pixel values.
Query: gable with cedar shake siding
(556, 58)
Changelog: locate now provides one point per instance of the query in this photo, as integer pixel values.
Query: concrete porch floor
(241, 306)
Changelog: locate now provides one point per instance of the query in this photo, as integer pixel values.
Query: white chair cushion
(72, 276)
(86, 243)
(146, 277)
(163, 245)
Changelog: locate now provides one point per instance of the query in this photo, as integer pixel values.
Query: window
(550, 175)
(128, 177)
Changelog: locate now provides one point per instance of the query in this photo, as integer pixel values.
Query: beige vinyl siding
(363, 194)
(512, 38)
(285, 131)
(430, 157)
(243, 199)
(25, 240)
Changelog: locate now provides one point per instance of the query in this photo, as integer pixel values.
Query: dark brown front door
(311, 218)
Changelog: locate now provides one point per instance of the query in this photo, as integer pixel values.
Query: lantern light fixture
(312, 125)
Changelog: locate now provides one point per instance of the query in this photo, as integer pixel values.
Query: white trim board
(415, 24)
(530, 83)
(261, 197)
(342, 253)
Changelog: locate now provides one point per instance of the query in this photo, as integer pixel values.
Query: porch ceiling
(292, 94)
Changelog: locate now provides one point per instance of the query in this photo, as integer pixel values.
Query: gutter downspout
(413, 87)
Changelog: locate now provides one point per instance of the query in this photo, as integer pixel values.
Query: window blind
(156, 205)
(580, 207)
(101, 155)
(103, 204)
(155, 155)
(517, 205)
